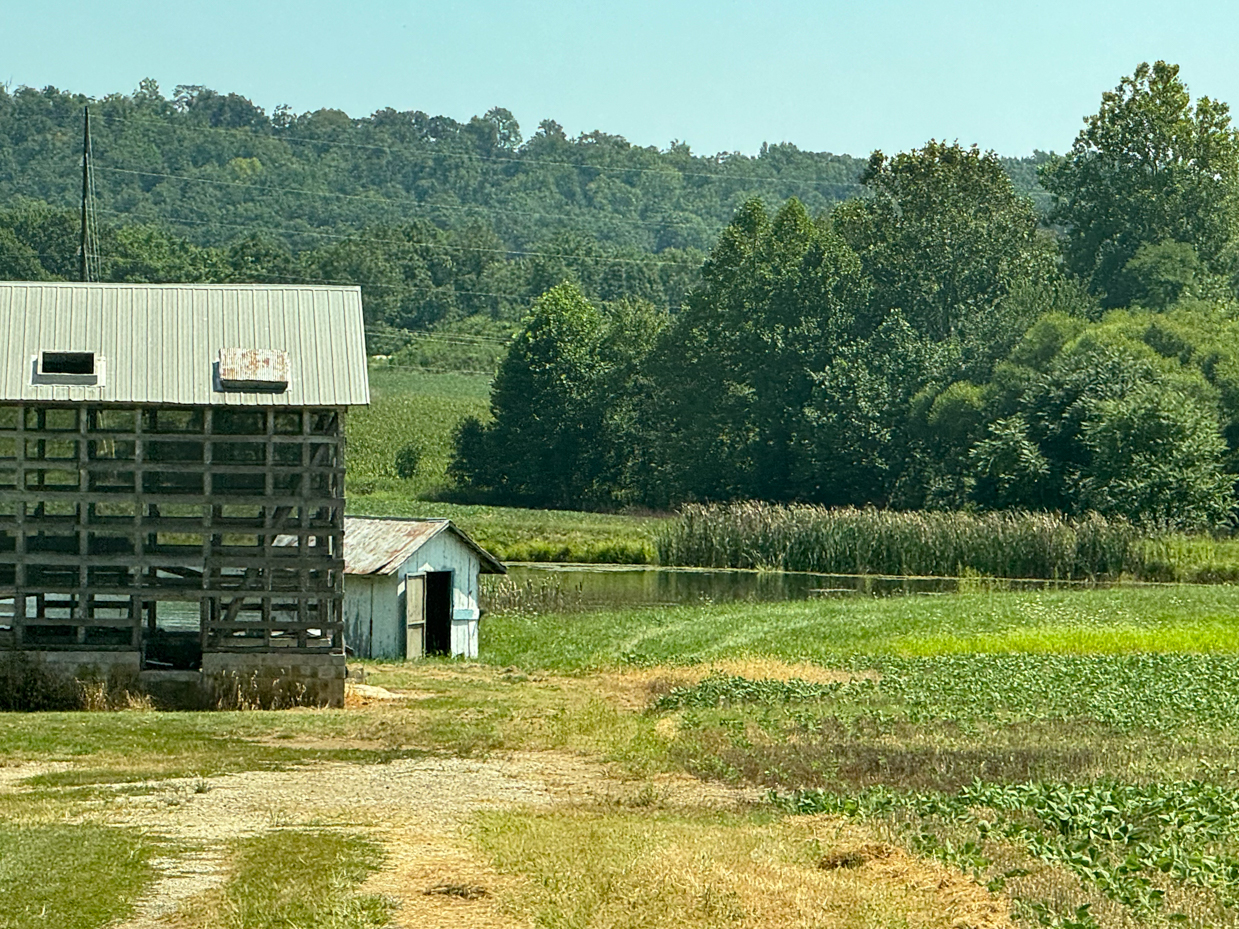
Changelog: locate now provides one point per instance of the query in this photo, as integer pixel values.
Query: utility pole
(82, 263)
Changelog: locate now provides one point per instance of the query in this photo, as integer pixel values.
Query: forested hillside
(435, 218)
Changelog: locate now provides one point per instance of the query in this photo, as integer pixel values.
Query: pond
(574, 587)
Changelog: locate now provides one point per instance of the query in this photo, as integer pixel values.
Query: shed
(411, 588)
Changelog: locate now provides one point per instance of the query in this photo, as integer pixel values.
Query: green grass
(295, 878)
(136, 746)
(77, 876)
(1121, 619)
(514, 534)
(410, 407)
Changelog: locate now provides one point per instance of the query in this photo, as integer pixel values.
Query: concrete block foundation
(239, 680)
(227, 680)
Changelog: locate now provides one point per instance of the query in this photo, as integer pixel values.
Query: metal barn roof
(381, 546)
(162, 343)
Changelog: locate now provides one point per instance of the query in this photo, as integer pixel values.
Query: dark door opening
(172, 640)
(438, 612)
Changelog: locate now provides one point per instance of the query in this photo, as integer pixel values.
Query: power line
(461, 208)
(504, 158)
(464, 248)
(427, 369)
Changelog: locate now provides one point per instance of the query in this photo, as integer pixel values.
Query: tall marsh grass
(871, 541)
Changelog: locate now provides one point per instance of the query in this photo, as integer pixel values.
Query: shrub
(407, 460)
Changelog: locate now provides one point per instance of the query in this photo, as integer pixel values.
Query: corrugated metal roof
(381, 546)
(160, 343)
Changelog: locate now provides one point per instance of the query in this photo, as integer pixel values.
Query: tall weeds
(871, 541)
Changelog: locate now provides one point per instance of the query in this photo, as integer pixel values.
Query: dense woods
(435, 218)
(930, 343)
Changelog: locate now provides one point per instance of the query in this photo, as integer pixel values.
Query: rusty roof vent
(252, 369)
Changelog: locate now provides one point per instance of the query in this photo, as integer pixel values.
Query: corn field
(871, 541)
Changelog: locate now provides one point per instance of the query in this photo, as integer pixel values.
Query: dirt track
(416, 807)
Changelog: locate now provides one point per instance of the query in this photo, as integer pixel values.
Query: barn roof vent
(82, 369)
(252, 369)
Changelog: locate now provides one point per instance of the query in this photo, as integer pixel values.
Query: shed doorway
(438, 612)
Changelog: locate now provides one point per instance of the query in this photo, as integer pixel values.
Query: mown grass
(1193, 618)
(131, 746)
(79, 876)
(295, 878)
(514, 534)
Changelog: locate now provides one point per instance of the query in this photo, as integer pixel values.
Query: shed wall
(374, 604)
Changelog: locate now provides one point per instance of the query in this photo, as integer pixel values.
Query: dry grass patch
(633, 689)
(441, 882)
(659, 868)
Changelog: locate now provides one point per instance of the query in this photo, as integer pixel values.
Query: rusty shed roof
(382, 545)
(162, 343)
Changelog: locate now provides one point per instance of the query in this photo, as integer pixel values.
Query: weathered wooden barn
(411, 588)
(155, 443)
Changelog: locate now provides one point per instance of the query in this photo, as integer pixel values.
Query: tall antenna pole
(82, 273)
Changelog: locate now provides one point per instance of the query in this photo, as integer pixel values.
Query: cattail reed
(872, 541)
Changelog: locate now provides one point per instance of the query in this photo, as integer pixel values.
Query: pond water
(589, 587)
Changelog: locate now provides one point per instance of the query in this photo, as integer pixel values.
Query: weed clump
(29, 685)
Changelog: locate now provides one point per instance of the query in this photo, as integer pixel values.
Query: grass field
(424, 409)
(1051, 758)
(410, 407)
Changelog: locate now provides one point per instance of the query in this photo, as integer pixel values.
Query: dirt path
(418, 808)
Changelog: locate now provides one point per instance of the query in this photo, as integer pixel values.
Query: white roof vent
(81, 369)
(252, 369)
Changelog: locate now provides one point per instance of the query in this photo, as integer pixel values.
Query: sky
(721, 75)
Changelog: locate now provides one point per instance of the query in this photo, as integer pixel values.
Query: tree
(18, 261)
(507, 129)
(545, 444)
(1148, 167)
(733, 376)
(1157, 459)
(1158, 275)
(943, 236)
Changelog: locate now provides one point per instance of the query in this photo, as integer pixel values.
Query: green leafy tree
(733, 376)
(1149, 167)
(545, 445)
(1157, 458)
(18, 261)
(943, 236)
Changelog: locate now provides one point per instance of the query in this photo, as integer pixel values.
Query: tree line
(934, 342)
(435, 218)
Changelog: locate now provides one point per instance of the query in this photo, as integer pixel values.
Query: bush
(28, 685)
(407, 460)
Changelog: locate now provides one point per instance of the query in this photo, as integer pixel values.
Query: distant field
(514, 534)
(424, 409)
(409, 407)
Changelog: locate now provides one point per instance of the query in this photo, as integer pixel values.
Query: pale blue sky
(723, 76)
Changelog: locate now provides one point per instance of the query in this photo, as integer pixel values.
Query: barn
(172, 479)
(411, 588)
